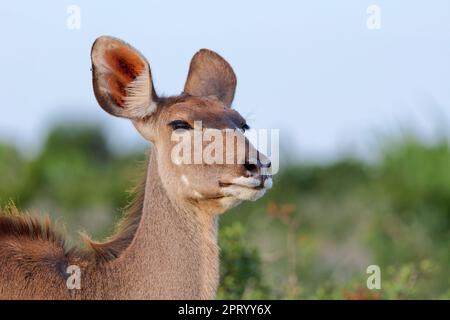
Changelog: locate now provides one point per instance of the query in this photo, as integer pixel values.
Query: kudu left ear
(210, 75)
(122, 79)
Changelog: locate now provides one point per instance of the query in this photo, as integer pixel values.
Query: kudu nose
(250, 166)
(260, 163)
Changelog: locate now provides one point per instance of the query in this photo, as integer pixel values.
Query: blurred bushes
(240, 268)
(76, 176)
(13, 173)
(312, 236)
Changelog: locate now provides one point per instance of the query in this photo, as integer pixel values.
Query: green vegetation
(312, 236)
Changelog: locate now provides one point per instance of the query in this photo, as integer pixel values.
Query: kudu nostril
(254, 165)
(250, 166)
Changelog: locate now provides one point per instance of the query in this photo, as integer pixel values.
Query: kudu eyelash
(180, 124)
(245, 127)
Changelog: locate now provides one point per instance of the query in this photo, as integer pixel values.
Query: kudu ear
(210, 75)
(122, 79)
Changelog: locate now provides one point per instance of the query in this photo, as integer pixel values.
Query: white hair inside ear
(137, 101)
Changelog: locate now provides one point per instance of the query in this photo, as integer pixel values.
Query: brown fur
(17, 225)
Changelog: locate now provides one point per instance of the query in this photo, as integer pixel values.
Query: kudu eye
(180, 124)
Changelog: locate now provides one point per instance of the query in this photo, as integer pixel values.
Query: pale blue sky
(310, 68)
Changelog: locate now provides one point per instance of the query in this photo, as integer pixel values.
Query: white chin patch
(243, 193)
(244, 188)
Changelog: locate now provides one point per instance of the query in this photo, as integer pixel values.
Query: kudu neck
(174, 253)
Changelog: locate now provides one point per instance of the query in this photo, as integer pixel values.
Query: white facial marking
(197, 194)
(245, 188)
(184, 180)
(243, 193)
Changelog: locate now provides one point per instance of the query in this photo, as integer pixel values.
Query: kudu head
(203, 158)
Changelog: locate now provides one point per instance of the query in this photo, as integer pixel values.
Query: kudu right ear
(122, 79)
(211, 75)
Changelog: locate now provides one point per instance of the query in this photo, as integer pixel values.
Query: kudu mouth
(260, 183)
(228, 184)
